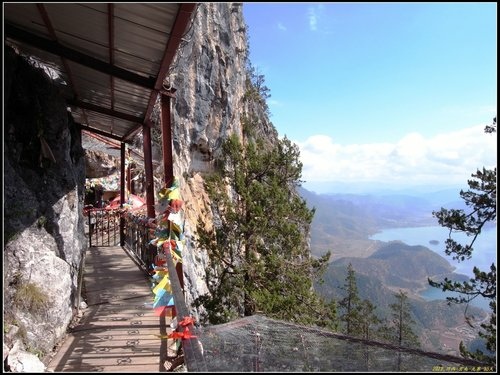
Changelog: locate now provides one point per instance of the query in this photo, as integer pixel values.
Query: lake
(434, 238)
(432, 294)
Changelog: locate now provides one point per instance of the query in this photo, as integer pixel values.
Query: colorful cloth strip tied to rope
(186, 333)
(168, 237)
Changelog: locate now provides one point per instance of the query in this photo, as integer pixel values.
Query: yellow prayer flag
(163, 284)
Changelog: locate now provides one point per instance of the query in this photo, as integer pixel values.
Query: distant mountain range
(353, 217)
(343, 224)
(396, 266)
(378, 188)
(393, 266)
(399, 265)
(383, 210)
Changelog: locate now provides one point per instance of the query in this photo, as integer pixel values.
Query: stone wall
(44, 179)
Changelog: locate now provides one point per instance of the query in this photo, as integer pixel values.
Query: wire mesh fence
(261, 344)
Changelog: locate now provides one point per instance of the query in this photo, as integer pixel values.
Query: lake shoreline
(484, 254)
(484, 248)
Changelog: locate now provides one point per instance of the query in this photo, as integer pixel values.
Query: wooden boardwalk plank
(118, 331)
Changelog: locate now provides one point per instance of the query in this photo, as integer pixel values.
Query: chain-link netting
(260, 344)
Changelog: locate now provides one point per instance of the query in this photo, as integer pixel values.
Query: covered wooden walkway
(119, 331)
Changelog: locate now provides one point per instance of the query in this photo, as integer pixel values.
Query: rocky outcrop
(101, 159)
(99, 164)
(209, 73)
(44, 176)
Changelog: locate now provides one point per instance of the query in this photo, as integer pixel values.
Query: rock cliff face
(209, 73)
(45, 170)
(44, 176)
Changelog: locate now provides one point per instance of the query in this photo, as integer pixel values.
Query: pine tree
(350, 303)
(368, 321)
(258, 250)
(256, 89)
(401, 333)
(359, 315)
(481, 198)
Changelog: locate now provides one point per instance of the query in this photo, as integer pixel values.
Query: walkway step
(118, 331)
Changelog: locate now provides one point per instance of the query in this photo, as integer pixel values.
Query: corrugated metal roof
(112, 57)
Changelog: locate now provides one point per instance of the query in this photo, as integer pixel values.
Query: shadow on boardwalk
(118, 331)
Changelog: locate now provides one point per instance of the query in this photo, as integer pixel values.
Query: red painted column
(129, 176)
(168, 163)
(122, 174)
(166, 137)
(148, 168)
(122, 191)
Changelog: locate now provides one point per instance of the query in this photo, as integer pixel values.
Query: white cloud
(282, 27)
(444, 159)
(313, 18)
(274, 103)
(314, 14)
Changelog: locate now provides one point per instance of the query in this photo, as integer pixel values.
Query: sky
(380, 94)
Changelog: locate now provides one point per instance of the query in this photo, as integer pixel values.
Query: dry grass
(31, 297)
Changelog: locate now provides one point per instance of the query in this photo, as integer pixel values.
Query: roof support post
(129, 176)
(166, 137)
(168, 163)
(122, 173)
(122, 191)
(148, 168)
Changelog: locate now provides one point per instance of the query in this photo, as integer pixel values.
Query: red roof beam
(178, 29)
